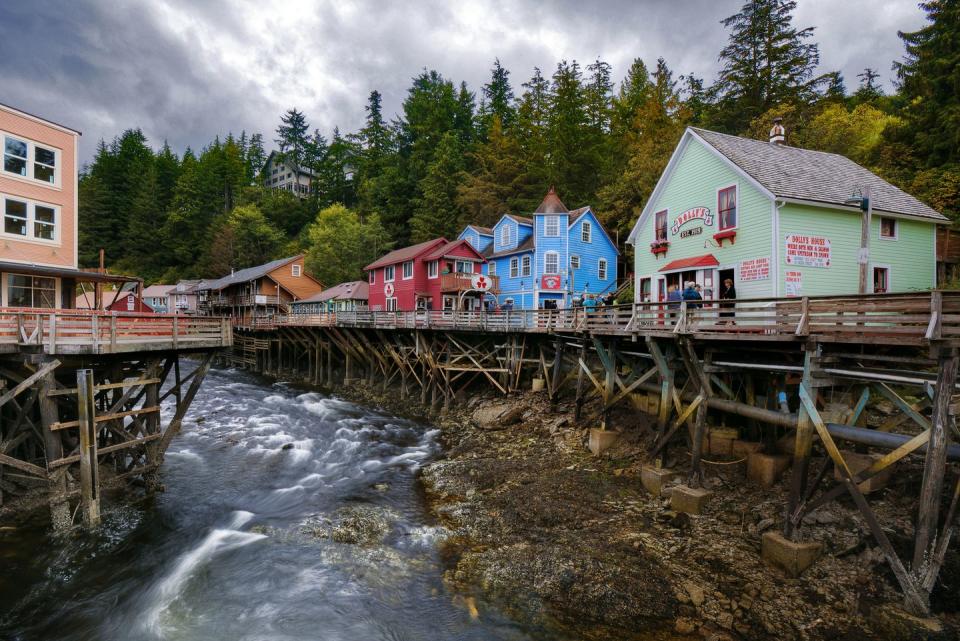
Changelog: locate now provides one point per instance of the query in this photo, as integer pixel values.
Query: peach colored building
(38, 213)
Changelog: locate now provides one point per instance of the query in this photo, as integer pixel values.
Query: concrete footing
(790, 556)
(743, 449)
(601, 440)
(691, 500)
(766, 469)
(536, 385)
(656, 479)
(721, 439)
(859, 462)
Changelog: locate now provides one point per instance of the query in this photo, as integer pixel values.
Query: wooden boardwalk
(907, 319)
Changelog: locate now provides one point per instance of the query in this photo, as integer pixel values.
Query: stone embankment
(559, 537)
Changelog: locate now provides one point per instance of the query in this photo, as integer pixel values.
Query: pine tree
(869, 90)
(255, 159)
(498, 101)
(767, 61)
(293, 138)
(571, 163)
(464, 115)
(435, 211)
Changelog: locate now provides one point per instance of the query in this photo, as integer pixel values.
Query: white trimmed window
(551, 263)
(492, 268)
(30, 160)
(373, 276)
(551, 226)
(574, 262)
(514, 267)
(31, 291)
(391, 304)
(586, 231)
(727, 208)
(28, 219)
(464, 267)
(388, 273)
(408, 270)
(888, 228)
(505, 235)
(525, 266)
(433, 268)
(296, 270)
(602, 269)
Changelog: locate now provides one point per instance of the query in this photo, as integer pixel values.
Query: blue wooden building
(550, 259)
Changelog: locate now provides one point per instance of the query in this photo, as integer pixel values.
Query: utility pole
(866, 205)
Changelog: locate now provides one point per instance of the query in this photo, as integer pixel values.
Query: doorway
(723, 275)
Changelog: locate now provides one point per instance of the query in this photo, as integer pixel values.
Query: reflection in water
(241, 544)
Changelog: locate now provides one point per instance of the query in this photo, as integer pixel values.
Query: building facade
(434, 275)
(158, 298)
(279, 174)
(776, 220)
(550, 259)
(343, 297)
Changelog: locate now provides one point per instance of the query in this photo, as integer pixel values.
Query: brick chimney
(778, 134)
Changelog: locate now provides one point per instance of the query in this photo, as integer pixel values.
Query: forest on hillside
(455, 155)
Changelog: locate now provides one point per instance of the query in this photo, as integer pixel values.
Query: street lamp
(865, 203)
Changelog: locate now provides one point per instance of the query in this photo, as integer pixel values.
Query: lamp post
(863, 256)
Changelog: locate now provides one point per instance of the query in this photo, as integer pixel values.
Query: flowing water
(239, 545)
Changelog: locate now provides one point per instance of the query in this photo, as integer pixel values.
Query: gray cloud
(187, 70)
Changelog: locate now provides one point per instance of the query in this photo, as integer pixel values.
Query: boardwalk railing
(69, 331)
(912, 317)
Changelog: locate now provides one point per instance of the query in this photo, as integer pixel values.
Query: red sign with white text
(550, 281)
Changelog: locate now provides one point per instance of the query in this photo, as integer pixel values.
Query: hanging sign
(388, 290)
(755, 269)
(481, 282)
(697, 213)
(793, 282)
(808, 251)
(550, 281)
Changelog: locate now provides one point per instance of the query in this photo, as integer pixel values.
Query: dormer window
(296, 270)
(505, 235)
(586, 230)
(551, 226)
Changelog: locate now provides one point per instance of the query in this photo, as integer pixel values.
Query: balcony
(461, 282)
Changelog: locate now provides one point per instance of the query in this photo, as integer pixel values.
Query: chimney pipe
(777, 133)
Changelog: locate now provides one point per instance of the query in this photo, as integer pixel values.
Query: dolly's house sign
(697, 213)
(807, 251)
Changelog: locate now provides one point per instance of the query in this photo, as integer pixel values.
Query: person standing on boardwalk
(727, 293)
(691, 294)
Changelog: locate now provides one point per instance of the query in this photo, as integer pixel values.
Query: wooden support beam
(802, 445)
(173, 428)
(89, 469)
(46, 369)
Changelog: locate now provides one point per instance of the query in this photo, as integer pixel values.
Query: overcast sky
(187, 70)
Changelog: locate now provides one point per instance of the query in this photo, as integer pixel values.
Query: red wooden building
(434, 275)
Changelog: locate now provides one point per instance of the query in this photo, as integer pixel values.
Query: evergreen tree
(255, 158)
(168, 170)
(497, 100)
(571, 162)
(767, 61)
(435, 211)
(464, 115)
(293, 138)
(869, 90)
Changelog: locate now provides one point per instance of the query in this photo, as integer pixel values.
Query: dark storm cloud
(186, 71)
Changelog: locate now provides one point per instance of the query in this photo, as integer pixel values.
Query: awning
(707, 260)
(65, 272)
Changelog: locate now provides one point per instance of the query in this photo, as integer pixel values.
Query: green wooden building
(774, 219)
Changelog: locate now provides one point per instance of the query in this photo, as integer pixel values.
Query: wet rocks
(362, 525)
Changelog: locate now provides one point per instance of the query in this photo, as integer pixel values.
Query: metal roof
(247, 274)
(527, 245)
(816, 176)
(405, 253)
(353, 290)
(551, 204)
(443, 250)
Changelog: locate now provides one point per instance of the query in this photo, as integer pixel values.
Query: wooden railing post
(113, 333)
(936, 317)
(52, 334)
(176, 332)
(95, 330)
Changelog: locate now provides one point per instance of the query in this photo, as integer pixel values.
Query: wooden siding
(302, 286)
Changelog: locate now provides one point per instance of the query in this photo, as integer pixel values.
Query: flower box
(730, 234)
(660, 247)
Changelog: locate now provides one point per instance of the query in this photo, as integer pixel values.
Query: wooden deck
(67, 331)
(913, 318)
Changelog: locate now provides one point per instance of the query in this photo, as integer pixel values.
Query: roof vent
(778, 134)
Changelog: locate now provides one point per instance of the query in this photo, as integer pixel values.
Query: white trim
(896, 228)
(529, 267)
(554, 218)
(736, 206)
(4, 278)
(855, 209)
(514, 263)
(372, 277)
(505, 243)
(666, 219)
(491, 268)
(296, 270)
(889, 269)
(31, 159)
(386, 303)
(775, 273)
(606, 269)
(588, 226)
(31, 204)
(577, 256)
(403, 270)
(24, 114)
(435, 265)
(392, 268)
(76, 201)
(551, 253)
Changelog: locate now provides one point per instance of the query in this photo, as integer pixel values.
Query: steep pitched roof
(551, 204)
(577, 213)
(527, 245)
(405, 253)
(248, 274)
(484, 231)
(817, 176)
(444, 250)
(523, 220)
(155, 291)
(353, 290)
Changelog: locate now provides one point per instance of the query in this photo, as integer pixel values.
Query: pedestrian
(727, 293)
(590, 303)
(690, 293)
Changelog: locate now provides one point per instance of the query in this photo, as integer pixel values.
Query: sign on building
(808, 251)
(696, 213)
(755, 269)
(480, 282)
(794, 282)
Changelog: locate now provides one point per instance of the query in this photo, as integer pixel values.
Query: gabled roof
(818, 176)
(155, 291)
(353, 290)
(405, 253)
(576, 214)
(443, 251)
(248, 274)
(551, 204)
(525, 246)
(523, 220)
(303, 170)
(483, 231)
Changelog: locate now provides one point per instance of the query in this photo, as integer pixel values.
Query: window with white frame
(574, 262)
(296, 270)
(373, 276)
(31, 291)
(408, 270)
(551, 263)
(492, 268)
(727, 208)
(433, 269)
(602, 269)
(586, 230)
(391, 304)
(505, 235)
(29, 219)
(464, 267)
(388, 273)
(31, 160)
(888, 228)
(525, 266)
(551, 226)
(514, 267)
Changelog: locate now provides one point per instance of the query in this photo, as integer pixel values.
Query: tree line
(454, 156)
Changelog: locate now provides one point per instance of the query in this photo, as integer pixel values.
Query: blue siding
(477, 240)
(521, 288)
(547, 244)
(586, 279)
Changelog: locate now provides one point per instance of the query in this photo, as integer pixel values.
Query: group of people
(592, 301)
(694, 294)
